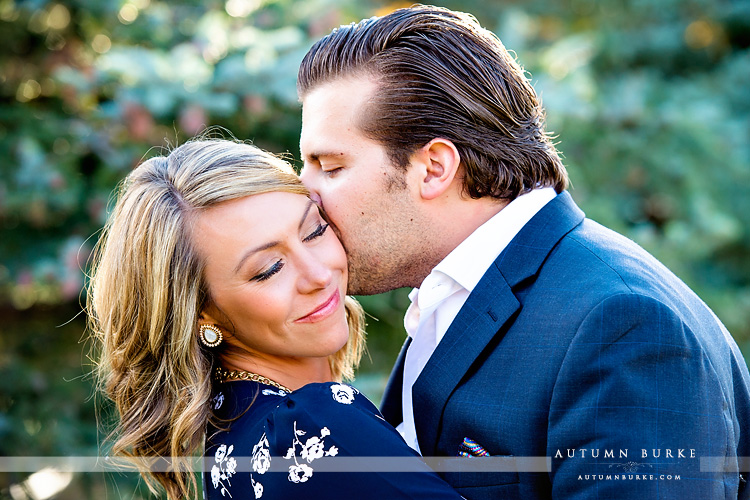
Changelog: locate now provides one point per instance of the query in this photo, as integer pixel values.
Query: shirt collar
(468, 262)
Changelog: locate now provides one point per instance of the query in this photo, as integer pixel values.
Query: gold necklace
(223, 375)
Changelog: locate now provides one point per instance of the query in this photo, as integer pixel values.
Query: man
(533, 332)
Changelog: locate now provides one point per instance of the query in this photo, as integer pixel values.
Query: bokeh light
(128, 13)
(101, 43)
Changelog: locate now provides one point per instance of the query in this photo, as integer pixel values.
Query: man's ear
(440, 160)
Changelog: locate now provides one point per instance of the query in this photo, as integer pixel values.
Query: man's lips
(322, 311)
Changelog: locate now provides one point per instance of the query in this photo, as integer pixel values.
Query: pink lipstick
(322, 311)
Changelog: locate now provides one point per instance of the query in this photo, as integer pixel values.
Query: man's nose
(308, 179)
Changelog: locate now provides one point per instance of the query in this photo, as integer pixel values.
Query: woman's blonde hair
(147, 291)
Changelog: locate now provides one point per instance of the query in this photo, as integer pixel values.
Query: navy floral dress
(274, 445)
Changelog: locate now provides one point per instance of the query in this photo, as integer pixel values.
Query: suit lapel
(527, 252)
(475, 325)
(391, 405)
(491, 305)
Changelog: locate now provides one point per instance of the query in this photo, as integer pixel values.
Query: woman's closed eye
(319, 231)
(275, 268)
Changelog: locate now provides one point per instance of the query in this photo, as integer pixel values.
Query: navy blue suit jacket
(580, 346)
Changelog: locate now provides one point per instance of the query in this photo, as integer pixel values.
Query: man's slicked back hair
(440, 74)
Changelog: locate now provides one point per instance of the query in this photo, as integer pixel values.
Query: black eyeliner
(318, 232)
(267, 274)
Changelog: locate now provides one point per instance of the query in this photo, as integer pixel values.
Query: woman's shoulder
(266, 428)
(331, 395)
(326, 405)
(243, 399)
(240, 407)
(283, 447)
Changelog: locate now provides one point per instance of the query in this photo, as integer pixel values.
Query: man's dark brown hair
(440, 74)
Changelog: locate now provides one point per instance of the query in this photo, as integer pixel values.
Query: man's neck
(452, 228)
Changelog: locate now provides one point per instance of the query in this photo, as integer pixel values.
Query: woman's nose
(315, 274)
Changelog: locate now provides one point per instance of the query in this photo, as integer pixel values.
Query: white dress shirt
(435, 304)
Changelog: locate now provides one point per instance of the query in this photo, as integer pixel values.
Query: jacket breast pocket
(485, 485)
(475, 477)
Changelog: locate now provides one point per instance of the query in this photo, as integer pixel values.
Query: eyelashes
(318, 232)
(332, 172)
(270, 272)
(276, 267)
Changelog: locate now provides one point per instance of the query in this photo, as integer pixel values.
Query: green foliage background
(649, 100)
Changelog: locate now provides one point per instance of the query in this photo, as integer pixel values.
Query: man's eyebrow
(316, 155)
(272, 244)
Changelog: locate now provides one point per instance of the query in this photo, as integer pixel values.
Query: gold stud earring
(210, 335)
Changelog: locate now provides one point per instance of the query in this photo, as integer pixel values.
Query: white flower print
(257, 487)
(343, 393)
(215, 475)
(300, 473)
(221, 452)
(269, 392)
(312, 449)
(224, 468)
(217, 401)
(261, 460)
(231, 466)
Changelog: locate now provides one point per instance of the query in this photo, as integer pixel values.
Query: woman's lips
(322, 311)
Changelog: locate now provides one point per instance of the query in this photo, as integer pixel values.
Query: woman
(218, 296)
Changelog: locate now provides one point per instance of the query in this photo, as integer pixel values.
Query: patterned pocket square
(470, 448)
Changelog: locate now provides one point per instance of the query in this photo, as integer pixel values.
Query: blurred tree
(649, 100)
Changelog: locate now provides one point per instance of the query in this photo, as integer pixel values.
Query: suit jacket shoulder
(578, 339)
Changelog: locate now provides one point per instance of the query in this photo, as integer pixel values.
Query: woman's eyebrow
(304, 214)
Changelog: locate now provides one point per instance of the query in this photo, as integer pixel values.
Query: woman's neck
(289, 372)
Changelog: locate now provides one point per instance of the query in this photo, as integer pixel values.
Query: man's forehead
(341, 98)
(318, 128)
(327, 140)
(330, 117)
